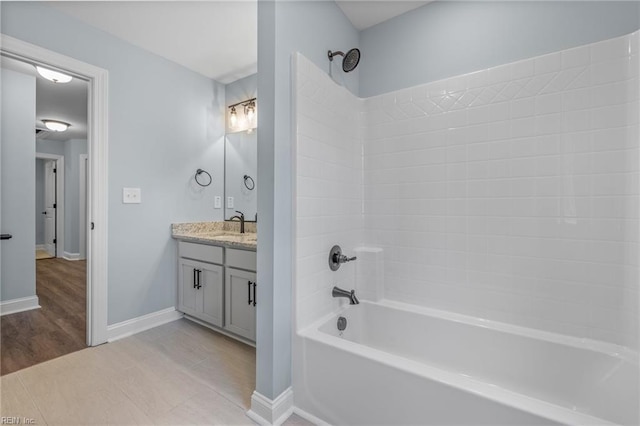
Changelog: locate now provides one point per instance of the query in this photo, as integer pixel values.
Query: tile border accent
(265, 411)
(136, 325)
(19, 305)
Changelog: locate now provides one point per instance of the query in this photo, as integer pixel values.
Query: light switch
(131, 196)
(217, 202)
(229, 202)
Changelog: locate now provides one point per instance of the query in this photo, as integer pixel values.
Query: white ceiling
(217, 39)
(366, 13)
(63, 102)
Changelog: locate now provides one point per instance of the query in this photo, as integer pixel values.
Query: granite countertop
(225, 234)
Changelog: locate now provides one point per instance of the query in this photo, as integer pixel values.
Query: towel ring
(251, 183)
(198, 173)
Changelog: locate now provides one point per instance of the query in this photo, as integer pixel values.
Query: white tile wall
(328, 189)
(512, 193)
(509, 193)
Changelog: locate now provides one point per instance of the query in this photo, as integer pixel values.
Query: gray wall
(164, 123)
(310, 27)
(448, 38)
(18, 169)
(241, 153)
(39, 201)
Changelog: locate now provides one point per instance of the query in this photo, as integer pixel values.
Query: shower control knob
(336, 258)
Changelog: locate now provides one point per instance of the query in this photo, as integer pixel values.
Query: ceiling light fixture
(56, 126)
(55, 76)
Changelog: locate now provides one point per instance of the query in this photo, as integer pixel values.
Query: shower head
(350, 60)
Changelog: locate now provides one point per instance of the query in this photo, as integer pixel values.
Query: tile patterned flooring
(177, 374)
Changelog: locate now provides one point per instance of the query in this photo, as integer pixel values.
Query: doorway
(96, 206)
(49, 193)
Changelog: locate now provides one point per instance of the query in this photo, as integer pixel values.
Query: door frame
(97, 140)
(59, 159)
(82, 223)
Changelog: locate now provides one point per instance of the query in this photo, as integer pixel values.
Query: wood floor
(58, 328)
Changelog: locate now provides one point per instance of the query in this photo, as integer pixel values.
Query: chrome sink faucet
(351, 295)
(240, 217)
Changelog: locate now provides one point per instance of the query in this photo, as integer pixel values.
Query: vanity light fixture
(248, 122)
(233, 117)
(250, 111)
(55, 76)
(56, 126)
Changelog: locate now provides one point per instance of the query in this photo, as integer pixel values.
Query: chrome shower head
(350, 59)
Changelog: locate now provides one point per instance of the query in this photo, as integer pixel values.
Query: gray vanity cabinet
(217, 287)
(241, 302)
(201, 283)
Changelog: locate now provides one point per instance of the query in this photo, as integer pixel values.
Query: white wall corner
(70, 256)
(19, 305)
(265, 411)
(136, 325)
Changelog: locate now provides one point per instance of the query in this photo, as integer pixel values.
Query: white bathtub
(398, 364)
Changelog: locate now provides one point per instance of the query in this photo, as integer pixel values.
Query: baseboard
(265, 411)
(19, 305)
(70, 256)
(309, 417)
(136, 325)
(41, 247)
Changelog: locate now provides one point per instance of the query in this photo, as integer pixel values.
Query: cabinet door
(240, 296)
(187, 292)
(212, 293)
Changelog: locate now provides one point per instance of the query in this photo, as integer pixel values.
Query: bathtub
(400, 364)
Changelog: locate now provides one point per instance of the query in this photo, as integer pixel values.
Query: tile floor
(177, 374)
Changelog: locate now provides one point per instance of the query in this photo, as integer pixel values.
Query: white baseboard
(19, 305)
(309, 417)
(41, 247)
(70, 256)
(265, 411)
(136, 325)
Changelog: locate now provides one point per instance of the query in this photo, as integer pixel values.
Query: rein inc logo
(5, 420)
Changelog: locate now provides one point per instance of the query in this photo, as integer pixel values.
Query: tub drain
(342, 323)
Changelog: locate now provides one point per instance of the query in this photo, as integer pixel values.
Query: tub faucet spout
(351, 295)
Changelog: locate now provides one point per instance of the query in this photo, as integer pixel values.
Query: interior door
(50, 207)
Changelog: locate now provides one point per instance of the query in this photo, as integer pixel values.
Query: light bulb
(55, 76)
(233, 117)
(56, 126)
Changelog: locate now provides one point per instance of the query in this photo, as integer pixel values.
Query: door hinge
(54, 205)
(55, 170)
(92, 226)
(54, 241)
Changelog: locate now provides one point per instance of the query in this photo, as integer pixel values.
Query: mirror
(241, 148)
(240, 174)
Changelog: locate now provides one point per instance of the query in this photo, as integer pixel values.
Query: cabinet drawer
(203, 252)
(242, 259)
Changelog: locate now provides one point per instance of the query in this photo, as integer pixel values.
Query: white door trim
(59, 159)
(97, 208)
(83, 202)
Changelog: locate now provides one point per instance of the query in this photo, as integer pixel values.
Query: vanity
(217, 284)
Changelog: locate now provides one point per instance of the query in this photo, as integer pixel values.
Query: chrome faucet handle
(336, 258)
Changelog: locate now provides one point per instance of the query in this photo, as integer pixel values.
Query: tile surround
(509, 193)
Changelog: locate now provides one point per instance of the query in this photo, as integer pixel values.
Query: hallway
(57, 328)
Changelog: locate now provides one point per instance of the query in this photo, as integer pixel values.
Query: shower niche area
(495, 220)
